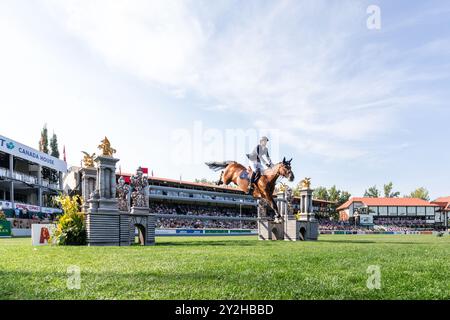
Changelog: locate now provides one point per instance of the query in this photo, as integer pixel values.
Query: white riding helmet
(264, 138)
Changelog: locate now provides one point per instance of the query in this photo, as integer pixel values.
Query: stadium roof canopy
(188, 183)
(395, 202)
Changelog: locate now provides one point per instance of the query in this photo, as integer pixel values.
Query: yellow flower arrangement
(71, 228)
(2, 215)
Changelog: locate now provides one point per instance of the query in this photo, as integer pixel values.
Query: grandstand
(29, 179)
(395, 214)
(185, 204)
(200, 206)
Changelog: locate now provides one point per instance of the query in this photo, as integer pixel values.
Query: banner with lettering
(41, 234)
(20, 150)
(5, 228)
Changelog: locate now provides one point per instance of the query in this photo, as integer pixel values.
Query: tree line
(44, 143)
(341, 196)
(387, 192)
(53, 151)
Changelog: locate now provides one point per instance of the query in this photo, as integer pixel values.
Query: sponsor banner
(28, 207)
(6, 205)
(22, 223)
(41, 234)
(50, 210)
(165, 231)
(5, 228)
(241, 231)
(374, 232)
(22, 151)
(216, 231)
(365, 219)
(179, 232)
(190, 231)
(21, 232)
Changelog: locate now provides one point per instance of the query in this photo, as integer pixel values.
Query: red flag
(64, 153)
(144, 170)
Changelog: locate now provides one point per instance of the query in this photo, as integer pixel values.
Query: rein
(273, 172)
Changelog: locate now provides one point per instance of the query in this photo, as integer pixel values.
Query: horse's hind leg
(225, 177)
(220, 179)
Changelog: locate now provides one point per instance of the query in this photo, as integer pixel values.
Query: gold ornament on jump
(88, 160)
(306, 183)
(106, 149)
(282, 187)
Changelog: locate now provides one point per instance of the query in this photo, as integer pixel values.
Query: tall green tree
(334, 194)
(372, 192)
(54, 146)
(344, 197)
(43, 142)
(320, 193)
(387, 188)
(331, 194)
(420, 193)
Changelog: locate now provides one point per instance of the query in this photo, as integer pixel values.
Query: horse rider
(255, 159)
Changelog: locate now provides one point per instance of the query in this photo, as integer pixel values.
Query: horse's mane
(269, 171)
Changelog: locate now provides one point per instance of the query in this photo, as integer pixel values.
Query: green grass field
(335, 267)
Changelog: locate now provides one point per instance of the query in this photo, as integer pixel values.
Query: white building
(370, 210)
(28, 178)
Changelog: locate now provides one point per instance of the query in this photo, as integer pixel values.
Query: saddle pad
(244, 175)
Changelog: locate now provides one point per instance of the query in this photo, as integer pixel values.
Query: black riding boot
(250, 185)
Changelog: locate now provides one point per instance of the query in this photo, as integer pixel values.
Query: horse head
(285, 169)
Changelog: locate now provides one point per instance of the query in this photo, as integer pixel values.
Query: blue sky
(353, 106)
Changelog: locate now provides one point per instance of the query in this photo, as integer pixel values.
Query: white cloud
(155, 40)
(308, 68)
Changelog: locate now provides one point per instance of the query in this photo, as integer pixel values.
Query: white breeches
(255, 165)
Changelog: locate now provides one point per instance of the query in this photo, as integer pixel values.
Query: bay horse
(265, 186)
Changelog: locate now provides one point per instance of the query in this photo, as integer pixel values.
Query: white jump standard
(302, 226)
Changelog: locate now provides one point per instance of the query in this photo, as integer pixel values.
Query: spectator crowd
(169, 223)
(395, 224)
(380, 224)
(204, 211)
(201, 210)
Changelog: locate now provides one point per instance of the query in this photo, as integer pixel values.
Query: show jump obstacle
(302, 226)
(111, 221)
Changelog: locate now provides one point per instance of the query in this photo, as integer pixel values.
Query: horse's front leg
(277, 212)
(272, 205)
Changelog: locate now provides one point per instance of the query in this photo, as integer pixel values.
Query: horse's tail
(217, 165)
